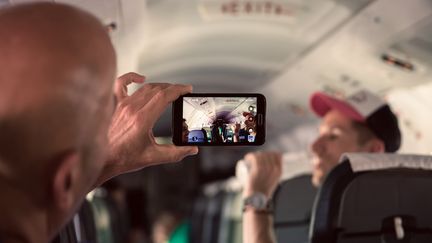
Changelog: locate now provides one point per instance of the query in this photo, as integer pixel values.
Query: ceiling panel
(106, 10)
(350, 59)
(188, 36)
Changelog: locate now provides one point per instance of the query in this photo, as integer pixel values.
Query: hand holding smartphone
(215, 119)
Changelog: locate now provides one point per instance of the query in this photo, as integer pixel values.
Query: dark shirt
(243, 135)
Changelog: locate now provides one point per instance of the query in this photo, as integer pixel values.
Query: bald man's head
(56, 102)
(48, 39)
(58, 65)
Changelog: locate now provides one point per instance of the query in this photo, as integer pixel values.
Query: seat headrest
(380, 161)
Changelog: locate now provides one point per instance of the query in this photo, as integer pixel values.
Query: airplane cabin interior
(285, 50)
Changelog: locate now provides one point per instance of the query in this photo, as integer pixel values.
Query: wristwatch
(258, 202)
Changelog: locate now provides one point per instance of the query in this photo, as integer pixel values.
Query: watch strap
(249, 205)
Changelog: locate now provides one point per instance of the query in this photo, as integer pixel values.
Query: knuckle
(119, 80)
(177, 157)
(160, 95)
(157, 88)
(250, 157)
(129, 74)
(122, 105)
(127, 109)
(146, 86)
(122, 79)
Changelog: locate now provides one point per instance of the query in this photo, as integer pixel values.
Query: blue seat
(197, 136)
(293, 201)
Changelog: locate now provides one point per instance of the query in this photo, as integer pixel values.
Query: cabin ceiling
(285, 50)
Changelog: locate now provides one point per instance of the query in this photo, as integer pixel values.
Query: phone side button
(260, 119)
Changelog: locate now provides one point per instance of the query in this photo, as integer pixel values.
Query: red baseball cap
(365, 107)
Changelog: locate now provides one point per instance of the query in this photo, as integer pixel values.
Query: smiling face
(337, 135)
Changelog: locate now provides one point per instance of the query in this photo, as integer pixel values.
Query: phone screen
(220, 120)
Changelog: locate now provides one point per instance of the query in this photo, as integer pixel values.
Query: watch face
(257, 200)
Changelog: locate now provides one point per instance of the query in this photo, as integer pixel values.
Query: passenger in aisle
(360, 123)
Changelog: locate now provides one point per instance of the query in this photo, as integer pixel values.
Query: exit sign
(248, 9)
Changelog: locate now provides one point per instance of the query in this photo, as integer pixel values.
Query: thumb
(171, 153)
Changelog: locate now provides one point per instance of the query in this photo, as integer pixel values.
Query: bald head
(49, 44)
(57, 68)
(58, 65)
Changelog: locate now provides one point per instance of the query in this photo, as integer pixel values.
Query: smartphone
(219, 119)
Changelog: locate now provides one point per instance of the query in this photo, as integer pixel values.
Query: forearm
(257, 227)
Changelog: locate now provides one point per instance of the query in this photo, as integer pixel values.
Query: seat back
(66, 235)
(375, 198)
(197, 136)
(293, 202)
(81, 228)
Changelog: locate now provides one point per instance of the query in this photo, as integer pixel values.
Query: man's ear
(376, 146)
(65, 180)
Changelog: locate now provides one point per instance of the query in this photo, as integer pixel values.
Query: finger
(277, 166)
(121, 83)
(142, 96)
(273, 158)
(250, 157)
(252, 161)
(151, 86)
(171, 153)
(159, 102)
(278, 159)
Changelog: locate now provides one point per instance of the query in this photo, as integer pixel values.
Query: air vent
(391, 60)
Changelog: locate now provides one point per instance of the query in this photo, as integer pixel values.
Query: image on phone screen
(221, 120)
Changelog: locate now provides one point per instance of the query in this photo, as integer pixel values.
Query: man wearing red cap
(360, 123)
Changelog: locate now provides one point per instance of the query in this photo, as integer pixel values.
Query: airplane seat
(81, 228)
(105, 217)
(197, 219)
(66, 235)
(383, 198)
(206, 218)
(293, 201)
(197, 136)
(213, 217)
(87, 226)
(217, 213)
